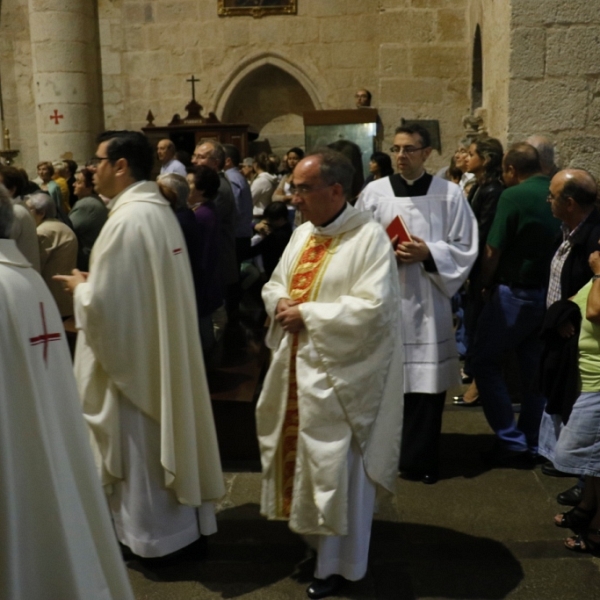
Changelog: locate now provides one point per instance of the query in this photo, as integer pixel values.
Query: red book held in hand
(398, 228)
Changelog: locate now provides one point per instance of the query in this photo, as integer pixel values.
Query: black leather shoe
(550, 470)
(322, 588)
(570, 497)
(460, 401)
(429, 478)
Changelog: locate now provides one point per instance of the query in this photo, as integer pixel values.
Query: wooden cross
(193, 81)
(45, 337)
(56, 117)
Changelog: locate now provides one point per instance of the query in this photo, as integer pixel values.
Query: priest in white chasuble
(431, 269)
(56, 535)
(329, 417)
(139, 365)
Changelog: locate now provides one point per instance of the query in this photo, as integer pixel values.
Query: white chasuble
(338, 379)
(444, 220)
(138, 342)
(57, 540)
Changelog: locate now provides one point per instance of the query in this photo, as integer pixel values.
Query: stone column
(66, 77)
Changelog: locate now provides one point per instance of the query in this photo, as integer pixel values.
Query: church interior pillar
(66, 77)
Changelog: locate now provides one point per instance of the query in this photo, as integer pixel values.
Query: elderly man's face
(558, 204)
(203, 156)
(316, 200)
(165, 151)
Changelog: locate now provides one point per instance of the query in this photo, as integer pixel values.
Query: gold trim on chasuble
(304, 286)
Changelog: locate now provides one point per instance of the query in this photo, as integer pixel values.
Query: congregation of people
(499, 257)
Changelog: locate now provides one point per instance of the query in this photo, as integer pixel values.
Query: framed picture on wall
(257, 8)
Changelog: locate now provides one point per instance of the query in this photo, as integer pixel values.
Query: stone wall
(414, 55)
(16, 76)
(541, 63)
(555, 77)
(493, 18)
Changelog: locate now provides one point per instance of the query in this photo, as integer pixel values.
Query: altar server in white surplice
(138, 362)
(330, 417)
(431, 269)
(56, 536)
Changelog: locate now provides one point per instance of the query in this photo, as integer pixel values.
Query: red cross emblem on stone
(56, 117)
(46, 337)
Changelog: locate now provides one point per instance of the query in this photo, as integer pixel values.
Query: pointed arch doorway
(272, 102)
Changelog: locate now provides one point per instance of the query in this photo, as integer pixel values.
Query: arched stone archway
(270, 94)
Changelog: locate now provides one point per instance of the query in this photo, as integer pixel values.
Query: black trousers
(420, 452)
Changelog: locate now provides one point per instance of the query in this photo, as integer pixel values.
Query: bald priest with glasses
(431, 268)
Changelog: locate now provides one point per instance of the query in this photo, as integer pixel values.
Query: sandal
(581, 543)
(575, 519)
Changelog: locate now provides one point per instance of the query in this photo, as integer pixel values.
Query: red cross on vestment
(56, 117)
(45, 337)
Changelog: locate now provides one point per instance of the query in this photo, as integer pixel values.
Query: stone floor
(477, 534)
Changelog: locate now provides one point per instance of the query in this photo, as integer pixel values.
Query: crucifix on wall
(193, 81)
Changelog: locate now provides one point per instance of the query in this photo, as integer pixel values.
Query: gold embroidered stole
(304, 286)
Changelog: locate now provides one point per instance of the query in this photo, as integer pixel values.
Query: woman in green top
(578, 447)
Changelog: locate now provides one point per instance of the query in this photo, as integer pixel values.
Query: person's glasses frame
(407, 150)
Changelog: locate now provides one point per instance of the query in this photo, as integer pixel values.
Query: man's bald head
(520, 162)
(545, 147)
(165, 151)
(578, 184)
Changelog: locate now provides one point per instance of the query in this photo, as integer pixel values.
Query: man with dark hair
(329, 420)
(363, 98)
(71, 169)
(51, 493)
(129, 146)
(12, 179)
(514, 280)
(23, 228)
(432, 266)
(139, 364)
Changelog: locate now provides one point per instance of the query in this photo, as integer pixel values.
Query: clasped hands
(288, 315)
(70, 282)
(410, 252)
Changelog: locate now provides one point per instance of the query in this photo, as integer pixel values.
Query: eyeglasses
(96, 160)
(408, 150)
(550, 197)
(303, 190)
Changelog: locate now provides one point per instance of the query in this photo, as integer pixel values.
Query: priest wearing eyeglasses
(328, 418)
(431, 269)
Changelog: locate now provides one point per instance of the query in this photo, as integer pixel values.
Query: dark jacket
(271, 247)
(559, 369)
(576, 271)
(484, 200)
